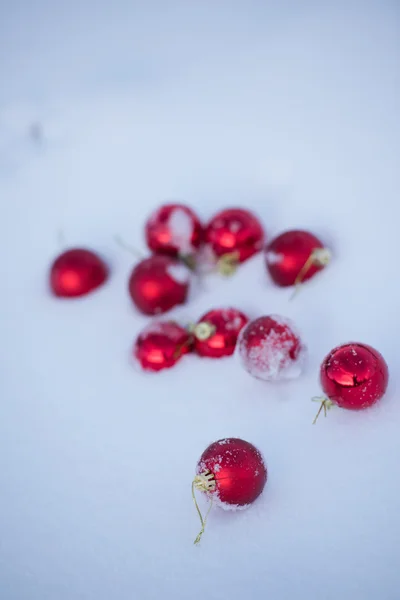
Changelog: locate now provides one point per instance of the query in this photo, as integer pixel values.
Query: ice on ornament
(270, 349)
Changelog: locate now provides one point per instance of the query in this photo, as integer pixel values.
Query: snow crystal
(179, 273)
(181, 227)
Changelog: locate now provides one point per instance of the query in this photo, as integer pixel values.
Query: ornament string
(204, 482)
(186, 344)
(319, 257)
(127, 247)
(326, 405)
(201, 331)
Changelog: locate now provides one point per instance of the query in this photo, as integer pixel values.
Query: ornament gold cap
(204, 482)
(228, 263)
(203, 330)
(321, 256)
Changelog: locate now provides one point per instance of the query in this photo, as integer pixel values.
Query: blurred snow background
(288, 108)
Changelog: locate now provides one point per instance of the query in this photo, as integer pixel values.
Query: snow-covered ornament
(233, 236)
(174, 229)
(77, 272)
(232, 473)
(161, 345)
(294, 257)
(353, 376)
(159, 283)
(216, 333)
(270, 348)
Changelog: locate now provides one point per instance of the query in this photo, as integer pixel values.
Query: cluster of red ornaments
(353, 376)
(163, 343)
(181, 245)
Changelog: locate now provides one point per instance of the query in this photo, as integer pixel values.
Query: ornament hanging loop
(319, 257)
(326, 405)
(127, 247)
(203, 482)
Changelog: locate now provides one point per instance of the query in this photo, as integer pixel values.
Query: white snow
(144, 101)
(179, 272)
(181, 227)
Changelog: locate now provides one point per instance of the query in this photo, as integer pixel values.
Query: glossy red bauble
(234, 231)
(216, 333)
(158, 283)
(232, 471)
(269, 348)
(294, 257)
(174, 229)
(77, 272)
(354, 376)
(160, 345)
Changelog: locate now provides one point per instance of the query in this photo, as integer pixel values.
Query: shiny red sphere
(269, 348)
(225, 325)
(174, 229)
(77, 272)
(235, 230)
(238, 469)
(288, 253)
(354, 376)
(161, 345)
(158, 283)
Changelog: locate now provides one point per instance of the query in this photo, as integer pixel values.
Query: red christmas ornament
(353, 376)
(231, 472)
(174, 229)
(234, 235)
(269, 348)
(215, 334)
(77, 272)
(294, 257)
(158, 283)
(161, 344)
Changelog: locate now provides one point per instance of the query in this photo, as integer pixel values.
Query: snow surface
(289, 109)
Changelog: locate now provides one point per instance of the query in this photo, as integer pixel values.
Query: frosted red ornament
(353, 376)
(161, 345)
(294, 257)
(234, 235)
(216, 333)
(77, 272)
(232, 473)
(158, 283)
(270, 348)
(174, 229)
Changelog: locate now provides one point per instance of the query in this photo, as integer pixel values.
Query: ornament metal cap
(321, 256)
(203, 330)
(228, 263)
